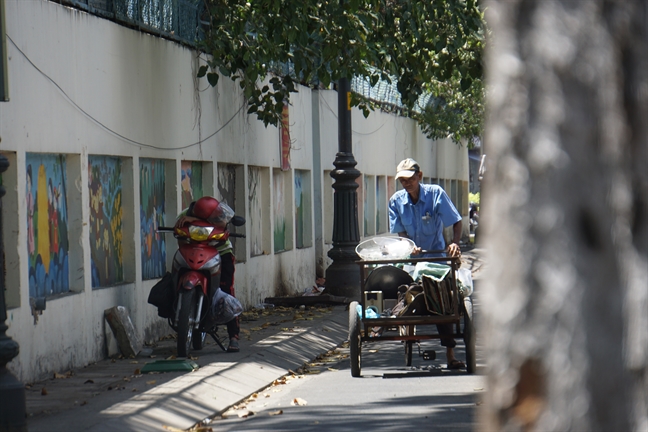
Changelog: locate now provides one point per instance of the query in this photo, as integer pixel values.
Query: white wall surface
(81, 85)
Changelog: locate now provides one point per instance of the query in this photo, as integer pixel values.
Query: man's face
(411, 185)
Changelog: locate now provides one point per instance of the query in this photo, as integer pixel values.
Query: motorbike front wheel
(186, 321)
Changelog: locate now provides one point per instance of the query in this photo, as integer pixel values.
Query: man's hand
(185, 219)
(416, 250)
(454, 250)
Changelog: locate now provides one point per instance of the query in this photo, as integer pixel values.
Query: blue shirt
(424, 221)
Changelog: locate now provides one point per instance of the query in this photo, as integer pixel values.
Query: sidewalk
(112, 395)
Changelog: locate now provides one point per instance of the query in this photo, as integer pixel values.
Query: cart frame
(359, 326)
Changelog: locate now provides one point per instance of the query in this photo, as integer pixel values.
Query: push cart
(360, 325)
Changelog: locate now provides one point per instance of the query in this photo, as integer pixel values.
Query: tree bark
(565, 216)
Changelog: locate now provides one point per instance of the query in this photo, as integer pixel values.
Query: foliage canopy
(427, 47)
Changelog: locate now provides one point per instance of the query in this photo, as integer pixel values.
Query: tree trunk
(564, 302)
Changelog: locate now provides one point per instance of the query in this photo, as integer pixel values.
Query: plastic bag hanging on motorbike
(225, 307)
(465, 282)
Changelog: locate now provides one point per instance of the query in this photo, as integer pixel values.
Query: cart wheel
(354, 339)
(469, 336)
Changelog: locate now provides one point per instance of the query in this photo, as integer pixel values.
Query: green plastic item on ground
(176, 365)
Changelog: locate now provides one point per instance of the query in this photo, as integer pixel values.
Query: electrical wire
(106, 128)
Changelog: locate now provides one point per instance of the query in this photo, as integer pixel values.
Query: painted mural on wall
(255, 224)
(191, 182)
(299, 209)
(227, 194)
(47, 230)
(279, 211)
(391, 187)
(152, 215)
(105, 188)
(227, 184)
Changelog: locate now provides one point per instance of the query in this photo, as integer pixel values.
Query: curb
(189, 398)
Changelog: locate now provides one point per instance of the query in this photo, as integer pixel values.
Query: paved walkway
(112, 395)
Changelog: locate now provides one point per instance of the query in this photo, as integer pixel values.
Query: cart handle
(433, 251)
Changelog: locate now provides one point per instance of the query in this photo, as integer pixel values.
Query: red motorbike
(196, 278)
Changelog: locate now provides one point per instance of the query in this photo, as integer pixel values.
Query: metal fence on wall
(174, 19)
(386, 94)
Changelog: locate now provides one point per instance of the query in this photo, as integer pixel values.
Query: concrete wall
(84, 86)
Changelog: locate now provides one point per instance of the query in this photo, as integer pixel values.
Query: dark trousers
(445, 331)
(227, 285)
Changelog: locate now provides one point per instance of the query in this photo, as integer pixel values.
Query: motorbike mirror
(238, 220)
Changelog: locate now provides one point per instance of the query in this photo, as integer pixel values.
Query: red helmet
(206, 208)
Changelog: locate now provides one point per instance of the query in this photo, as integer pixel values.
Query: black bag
(161, 296)
(439, 296)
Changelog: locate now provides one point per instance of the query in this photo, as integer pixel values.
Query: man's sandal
(456, 364)
(233, 345)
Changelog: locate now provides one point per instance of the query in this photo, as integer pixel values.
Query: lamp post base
(12, 408)
(343, 279)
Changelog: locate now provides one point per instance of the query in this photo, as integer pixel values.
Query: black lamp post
(343, 275)
(12, 391)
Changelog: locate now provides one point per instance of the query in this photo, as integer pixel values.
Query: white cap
(407, 168)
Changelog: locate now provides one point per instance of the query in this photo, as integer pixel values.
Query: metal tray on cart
(461, 312)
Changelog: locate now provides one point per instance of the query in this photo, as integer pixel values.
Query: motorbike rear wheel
(186, 321)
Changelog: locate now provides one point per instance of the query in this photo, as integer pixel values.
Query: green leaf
(212, 78)
(202, 70)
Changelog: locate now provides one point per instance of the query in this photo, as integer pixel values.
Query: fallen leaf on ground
(151, 382)
(279, 381)
(88, 382)
(137, 372)
(274, 413)
(44, 391)
(245, 414)
(333, 369)
(228, 413)
(298, 401)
